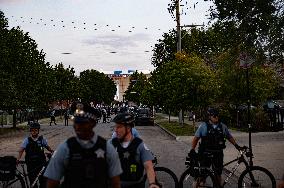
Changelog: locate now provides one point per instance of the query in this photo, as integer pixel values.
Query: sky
(105, 35)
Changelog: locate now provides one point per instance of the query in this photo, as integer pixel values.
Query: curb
(168, 132)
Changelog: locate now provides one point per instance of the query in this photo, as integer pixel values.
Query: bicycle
(19, 178)
(165, 178)
(252, 176)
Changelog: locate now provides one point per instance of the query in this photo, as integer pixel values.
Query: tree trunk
(169, 116)
(14, 118)
(182, 117)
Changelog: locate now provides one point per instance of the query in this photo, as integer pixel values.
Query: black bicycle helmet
(212, 112)
(34, 125)
(124, 118)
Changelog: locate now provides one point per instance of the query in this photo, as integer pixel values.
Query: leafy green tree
(134, 91)
(263, 81)
(276, 39)
(21, 69)
(258, 22)
(96, 87)
(64, 83)
(186, 82)
(204, 43)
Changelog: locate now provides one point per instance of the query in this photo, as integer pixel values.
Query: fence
(5, 119)
(276, 117)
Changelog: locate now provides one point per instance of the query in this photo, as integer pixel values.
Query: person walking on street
(104, 115)
(86, 160)
(34, 148)
(134, 156)
(66, 117)
(213, 135)
(52, 117)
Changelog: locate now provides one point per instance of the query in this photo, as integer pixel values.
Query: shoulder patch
(146, 148)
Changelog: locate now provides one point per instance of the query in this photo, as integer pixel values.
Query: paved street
(171, 152)
(267, 148)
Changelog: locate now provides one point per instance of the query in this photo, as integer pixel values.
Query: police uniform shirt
(56, 166)
(26, 141)
(202, 130)
(142, 151)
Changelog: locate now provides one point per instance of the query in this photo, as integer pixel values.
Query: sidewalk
(267, 147)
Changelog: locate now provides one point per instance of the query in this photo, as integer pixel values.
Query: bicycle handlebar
(245, 151)
(47, 155)
(21, 162)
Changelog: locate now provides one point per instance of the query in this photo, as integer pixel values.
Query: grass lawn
(174, 127)
(23, 126)
(11, 130)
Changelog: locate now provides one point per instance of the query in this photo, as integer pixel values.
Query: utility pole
(177, 7)
(174, 10)
(180, 118)
(178, 27)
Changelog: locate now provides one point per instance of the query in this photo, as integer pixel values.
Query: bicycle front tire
(17, 182)
(256, 176)
(165, 178)
(187, 181)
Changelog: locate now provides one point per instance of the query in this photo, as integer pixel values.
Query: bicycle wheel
(256, 176)
(17, 182)
(187, 181)
(165, 178)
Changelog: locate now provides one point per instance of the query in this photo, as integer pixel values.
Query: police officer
(34, 148)
(133, 153)
(213, 135)
(85, 160)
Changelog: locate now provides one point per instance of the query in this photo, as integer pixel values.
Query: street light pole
(249, 115)
(245, 63)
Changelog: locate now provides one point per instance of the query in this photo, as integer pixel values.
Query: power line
(80, 25)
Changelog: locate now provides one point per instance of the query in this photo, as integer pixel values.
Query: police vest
(131, 164)
(214, 140)
(35, 151)
(86, 167)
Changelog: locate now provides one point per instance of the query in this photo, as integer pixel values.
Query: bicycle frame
(24, 175)
(239, 160)
(244, 156)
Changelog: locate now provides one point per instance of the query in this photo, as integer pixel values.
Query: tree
(204, 43)
(184, 83)
(134, 91)
(259, 22)
(21, 69)
(64, 83)
(96, 87)
(263, 80)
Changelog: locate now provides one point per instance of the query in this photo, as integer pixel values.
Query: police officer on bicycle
(85, 160)
(35, 158)
(134, 155)
(212, 135)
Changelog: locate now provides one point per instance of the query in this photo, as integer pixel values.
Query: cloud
(117, 41)
(10, 1)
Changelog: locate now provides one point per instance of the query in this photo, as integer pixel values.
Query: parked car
(271, 104)
(144, 117)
